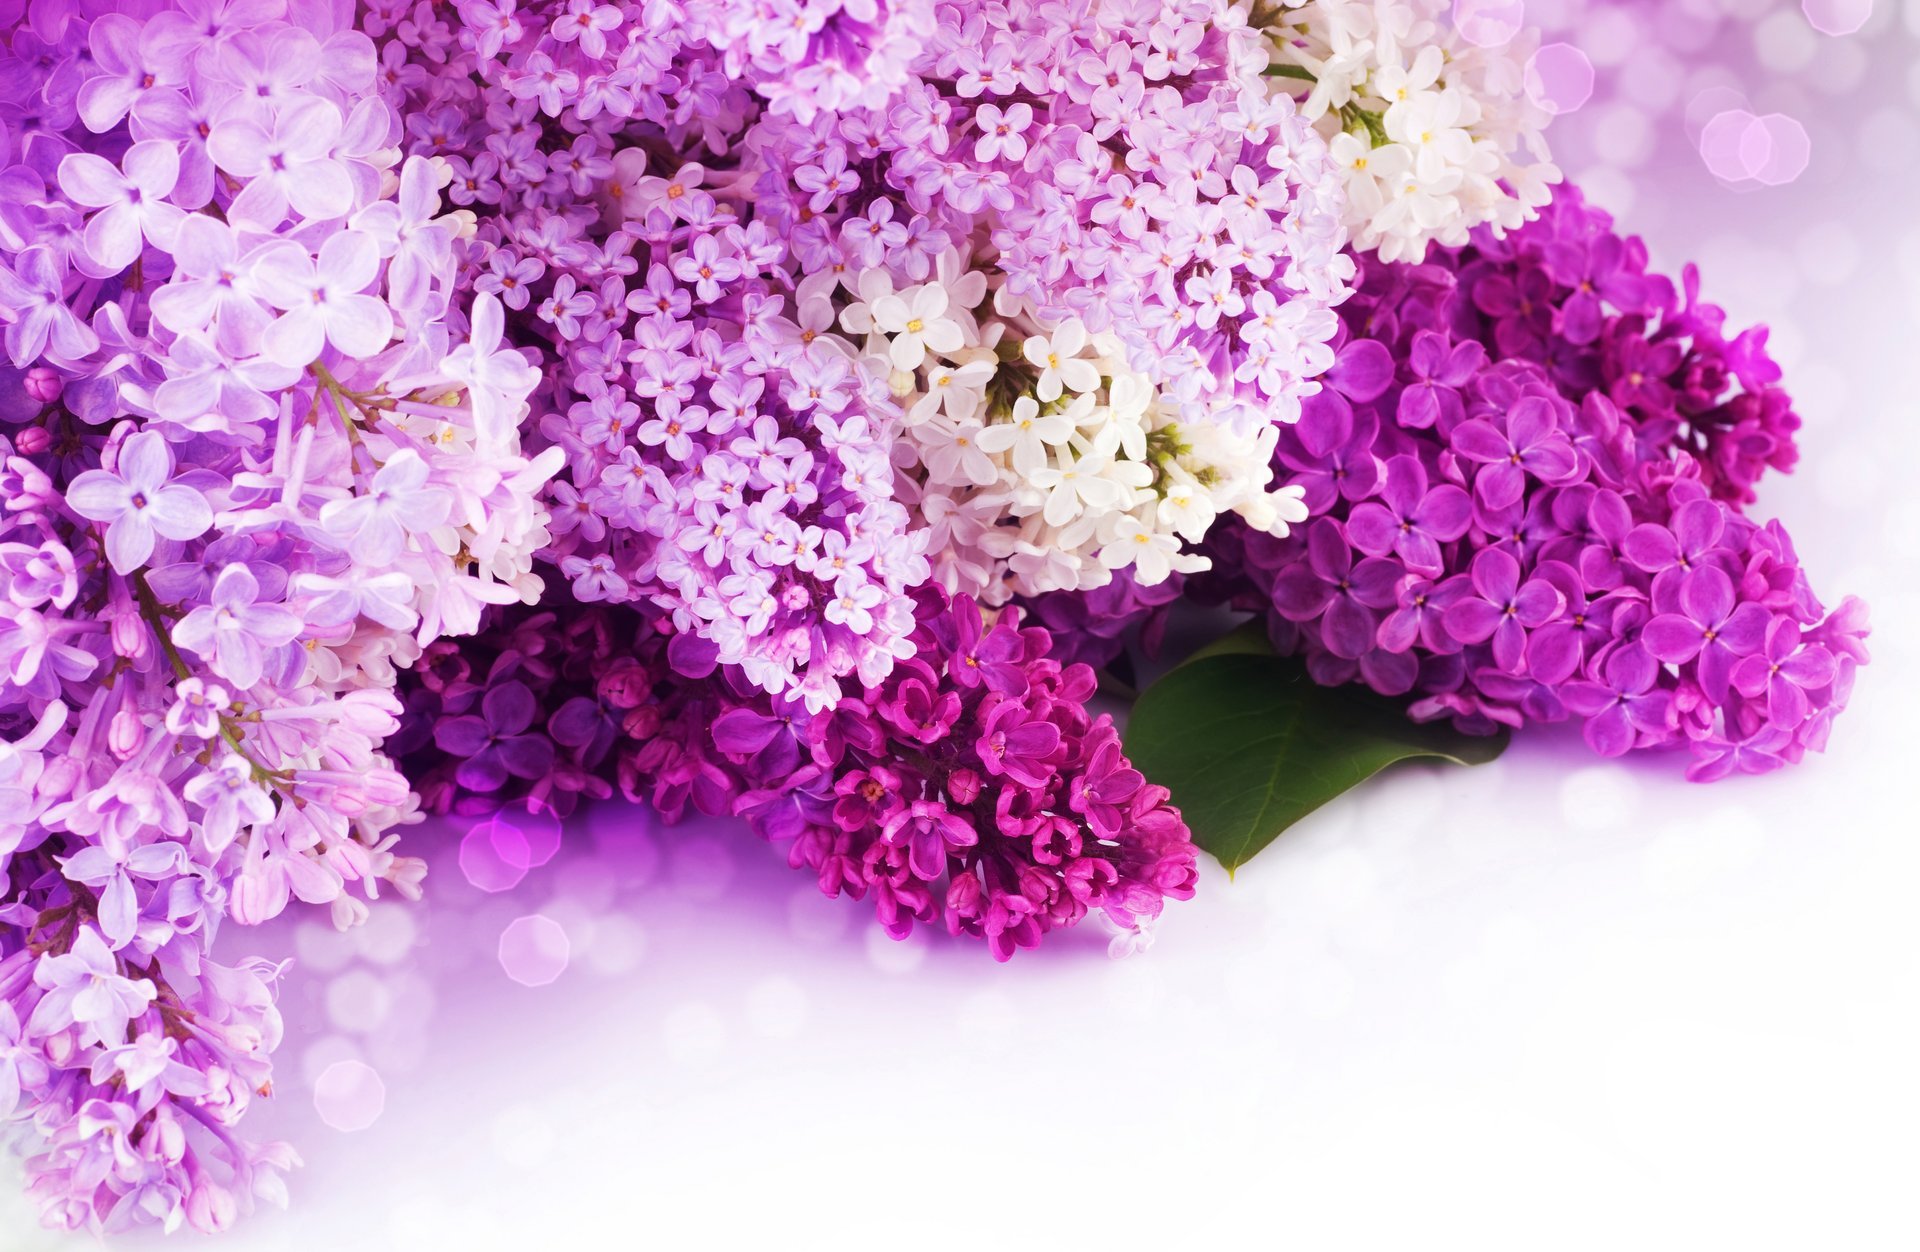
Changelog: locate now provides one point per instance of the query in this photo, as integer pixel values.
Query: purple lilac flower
(1589, 559)
(971, 786)
(1136, 177)
(236, 500)
(723, 469)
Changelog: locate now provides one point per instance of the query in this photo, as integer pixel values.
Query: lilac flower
(22, 1067)
(38, 315)
(1410, 520)
(1624, 705)
(1784, 672)
(287, 166)
(1530, 445)
(1329, 587)
(1705, 620)
(131, 205)
(1502, 609)
(139, 500)
(212, 285)
(399, 502)
(1605, 571)
(494, 744)
(85, 988)
(196, 667)
(1439, 371)
(935, 799)
(323, 301)
(588, 24)
(235, 631)
(129, 72)
(1694, 532)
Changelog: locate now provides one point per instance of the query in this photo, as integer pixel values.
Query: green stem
(150, 608)
(1300, 72)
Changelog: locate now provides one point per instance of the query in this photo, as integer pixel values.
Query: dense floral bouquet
(783, 408)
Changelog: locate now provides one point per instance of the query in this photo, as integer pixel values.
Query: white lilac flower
(1034, 456)
(1433, 131)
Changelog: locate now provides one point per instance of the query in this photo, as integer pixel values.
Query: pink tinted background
(1561, 1002)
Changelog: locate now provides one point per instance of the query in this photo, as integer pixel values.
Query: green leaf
(1249, 745)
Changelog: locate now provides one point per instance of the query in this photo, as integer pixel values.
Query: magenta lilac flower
(1527, 477)
(971, 788)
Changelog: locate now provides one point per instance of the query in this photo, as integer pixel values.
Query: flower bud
(963, 785)
(210, 1208)
(33, 440)
(44, 384)
(642, 724)
(130, 636)
(124, 731)
(626, 685)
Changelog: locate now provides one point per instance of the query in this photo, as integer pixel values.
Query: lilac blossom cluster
(729, 486)
(255, 457)
(723, 466)
(1526, 483)
(970, 788)
(1123, 165)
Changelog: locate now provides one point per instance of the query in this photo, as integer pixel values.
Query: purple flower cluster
(1525, 476)
(970, 787)
(809, 56)
(1127, 165)
(251, 459)
(724, 466)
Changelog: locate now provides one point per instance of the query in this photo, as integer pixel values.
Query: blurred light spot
(1652, 80)
(1783, 43)
(1624, 137)
(1560, 78)
(777, 1008)
(539, 831)
(326, 1051)
(1787, 150)
(358, 1001)
(1688, 25)
(1709, 102)
(1729, 145)
(322, 947)
(388, 934)
(1613, 36)
(1489, 23)
(618, 946)
(1773, 149)
(494, 855)
(1837, 17)
(349, 1096)
(534, 950)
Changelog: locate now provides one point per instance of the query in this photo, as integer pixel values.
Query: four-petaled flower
(234, 631)
(1503, 609)
(130, 200)
(494, 745)
(138, 500)
(323, 301)
(84, 987)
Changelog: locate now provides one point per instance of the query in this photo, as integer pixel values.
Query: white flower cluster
(1038, 458)
(1428, 119)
